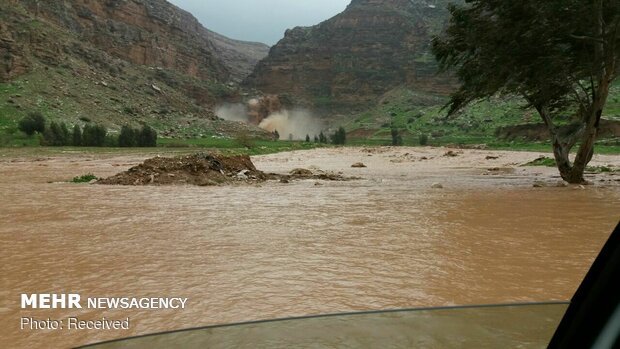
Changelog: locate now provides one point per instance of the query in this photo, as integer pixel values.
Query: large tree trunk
(562, 145)
(564, 141)
(573, 173)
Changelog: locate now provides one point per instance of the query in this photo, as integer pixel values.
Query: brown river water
(240, 253)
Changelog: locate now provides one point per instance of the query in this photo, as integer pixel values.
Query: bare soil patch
(206, 169)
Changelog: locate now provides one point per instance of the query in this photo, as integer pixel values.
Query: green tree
(561, 56)
(32, 123)
(147, 137)
(423, 138)
(94, 135)
(65, 134)
(48, 138)
(397, 139)
(340, 136)
(77, 136)
(56, 135)
(128, 137)
(322, 138)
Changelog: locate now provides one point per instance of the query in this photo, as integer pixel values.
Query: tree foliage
(322, 137)
(32, 123)
(128, 137)
(397, 139)
(94, 135)
(147, 137)
(77, 136)
(57, 135)
(560, 55)
(340, 136)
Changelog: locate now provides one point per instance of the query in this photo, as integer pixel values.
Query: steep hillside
(240, 57)
(355, 57)
(153, 33)
(117, 62)
(495, 122)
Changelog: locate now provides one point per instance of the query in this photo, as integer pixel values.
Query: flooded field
(250, 252)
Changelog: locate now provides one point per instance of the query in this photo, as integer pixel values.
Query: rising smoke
(291, 124)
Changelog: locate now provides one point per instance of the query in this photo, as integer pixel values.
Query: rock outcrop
(358, 55)
(153, 33)
(120, 62)
(13, 61)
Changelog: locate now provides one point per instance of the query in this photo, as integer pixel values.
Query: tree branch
(588, 38)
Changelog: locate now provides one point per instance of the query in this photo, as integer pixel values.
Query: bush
(423, 139)
(84, 178)
(244, 139)
(542, 161)
(32, 123)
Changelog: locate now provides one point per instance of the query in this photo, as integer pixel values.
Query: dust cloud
(232, 112)
(292, 124)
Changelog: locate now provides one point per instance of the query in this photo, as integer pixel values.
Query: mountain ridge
(355, 57)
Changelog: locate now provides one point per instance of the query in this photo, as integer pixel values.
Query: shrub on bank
(32, 123)
(84, 178)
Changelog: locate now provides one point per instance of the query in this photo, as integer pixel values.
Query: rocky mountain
(357, 56)
(119, 61)
(240, 57)
(153, 33)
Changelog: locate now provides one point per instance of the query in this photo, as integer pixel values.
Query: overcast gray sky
(260, 20)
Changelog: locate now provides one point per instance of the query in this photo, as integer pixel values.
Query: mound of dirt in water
(197, 169)
(207, 169)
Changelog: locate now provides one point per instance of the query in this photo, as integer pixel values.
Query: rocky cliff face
(358, 55)
(12, 58)
(118, 62)
(152, 33)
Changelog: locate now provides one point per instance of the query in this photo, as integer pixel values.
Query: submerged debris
(208, 169)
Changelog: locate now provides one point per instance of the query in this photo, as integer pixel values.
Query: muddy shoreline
(465, 168)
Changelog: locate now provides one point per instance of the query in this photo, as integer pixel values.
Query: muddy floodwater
(251, 252)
